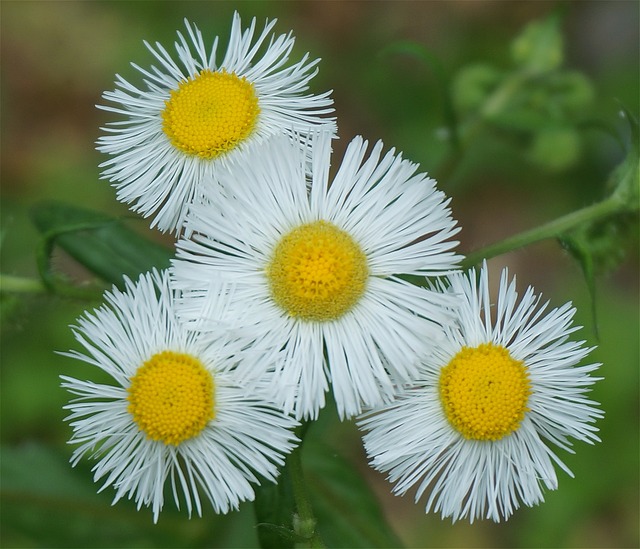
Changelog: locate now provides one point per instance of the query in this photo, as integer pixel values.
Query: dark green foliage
(103, 244)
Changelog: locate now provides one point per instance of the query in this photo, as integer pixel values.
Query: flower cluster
(291, 280)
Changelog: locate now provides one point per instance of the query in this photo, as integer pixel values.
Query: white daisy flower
(178, 409)
(196, 114)
(474, 431)
(316, 263)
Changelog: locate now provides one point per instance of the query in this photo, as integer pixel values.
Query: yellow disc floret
(210, 113)
(484, 392)
(317, 272)
(171, 397)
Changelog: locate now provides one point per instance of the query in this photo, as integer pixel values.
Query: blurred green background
(58, 58)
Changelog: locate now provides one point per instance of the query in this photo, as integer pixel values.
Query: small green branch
(625, 199)
(19, 284)
(305, 523)
(23, 285)
(552, 229)
(466, 134)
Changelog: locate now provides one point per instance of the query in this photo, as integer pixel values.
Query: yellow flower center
(484, 392)
(317, 272)
(171, 397)
(210, 113)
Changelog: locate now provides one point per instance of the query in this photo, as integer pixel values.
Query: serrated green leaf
(102, 244)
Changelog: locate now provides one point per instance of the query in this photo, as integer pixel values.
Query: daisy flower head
(474, 431)
(196, 113)
(177, 412)
(315, 263)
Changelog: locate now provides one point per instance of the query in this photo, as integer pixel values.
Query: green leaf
(282, 536)
(523, 119)
(571, 91)
(420, 52)
(600, 246)
(47, 503)
(347, 511)
(539, 48)
(625, 179)
(274, 508)
(472, 86)
(555, 148)
(102, 244)
(338, 509)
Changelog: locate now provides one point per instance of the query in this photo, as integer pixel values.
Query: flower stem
(23, 285)
(305, 525)
(551, 229)
(19, 284)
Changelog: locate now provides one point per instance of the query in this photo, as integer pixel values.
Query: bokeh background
(58, 58)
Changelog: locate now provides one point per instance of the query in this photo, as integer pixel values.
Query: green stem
(19, 284)
(551, 229)
(305, 525)
(493, 105)
(23, 285)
